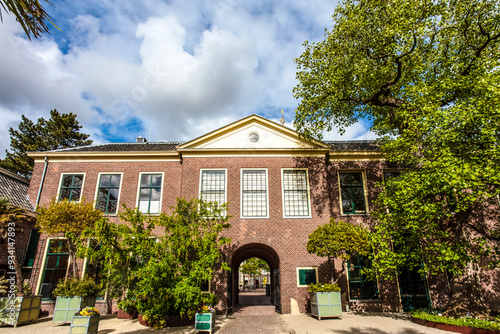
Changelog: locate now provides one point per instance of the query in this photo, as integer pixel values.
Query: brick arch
(249, 249)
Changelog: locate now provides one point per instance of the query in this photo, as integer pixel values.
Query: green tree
(339, 240)
(30, 14)
(59, 131)
(163, 272)
(70, 219)
(426, 74)
(12, 219)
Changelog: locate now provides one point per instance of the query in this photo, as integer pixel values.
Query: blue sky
(175, 69)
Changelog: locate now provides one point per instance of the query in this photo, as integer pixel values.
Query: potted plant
(85, 321)
(73, 295)
(325, 300)
(127, 309)
(21, 309)
(204, 319)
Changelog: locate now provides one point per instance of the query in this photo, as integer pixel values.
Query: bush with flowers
(206, 309)
(88, 311)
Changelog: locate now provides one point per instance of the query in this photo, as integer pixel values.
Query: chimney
(140, 139)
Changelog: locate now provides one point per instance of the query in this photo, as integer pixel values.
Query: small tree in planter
(325, 300)
(127, 309)
(69, 218)
(339, 240)
(74, 294)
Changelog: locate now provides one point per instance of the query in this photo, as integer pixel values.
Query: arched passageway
(263, 252)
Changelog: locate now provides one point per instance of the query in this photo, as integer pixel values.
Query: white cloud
(179, 69)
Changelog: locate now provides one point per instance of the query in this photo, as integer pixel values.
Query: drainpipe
(41, 182)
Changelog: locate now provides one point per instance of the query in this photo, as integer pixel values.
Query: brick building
(15, 188)
(279, 187)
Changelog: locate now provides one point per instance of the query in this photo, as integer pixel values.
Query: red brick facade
(279, 241)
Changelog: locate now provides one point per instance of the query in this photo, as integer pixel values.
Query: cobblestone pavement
(256, 316)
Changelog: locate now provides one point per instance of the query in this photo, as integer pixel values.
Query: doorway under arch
(263, 252)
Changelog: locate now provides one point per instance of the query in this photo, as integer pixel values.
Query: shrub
(323, 287)
(430, 315)
(128, 305)
(75, 287)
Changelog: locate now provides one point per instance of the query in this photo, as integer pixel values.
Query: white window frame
(225, 183)
(307, 268)
(283, 193)
(365, 191)
(119, 190)
(241, 193)
(139, 191)
(60, 184)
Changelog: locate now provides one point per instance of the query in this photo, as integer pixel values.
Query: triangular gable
(253, 132)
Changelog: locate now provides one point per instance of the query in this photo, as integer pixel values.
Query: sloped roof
(336, 146)
(15, 188)
(353, 145)
(125, 147)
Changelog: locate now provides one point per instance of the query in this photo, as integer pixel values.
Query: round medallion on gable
(253, 137)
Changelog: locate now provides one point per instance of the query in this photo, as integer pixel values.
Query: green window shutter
(29, 260)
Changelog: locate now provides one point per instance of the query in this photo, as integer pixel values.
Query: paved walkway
(256, 315)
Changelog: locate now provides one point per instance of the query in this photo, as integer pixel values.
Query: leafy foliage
(162, 272)
(30, 14)
(12, 221)
(69, 218)
(76, 287)
(426, 74)
(467, 321)
(59, 131)
(254, 266)
(339, 240)
(3, 285)
(128, 305)
(323, 287)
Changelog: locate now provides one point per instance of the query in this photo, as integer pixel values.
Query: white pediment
(253, 132)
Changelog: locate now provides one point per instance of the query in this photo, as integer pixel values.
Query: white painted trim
(283, 194)
(119, 190)
(298, 280)
(241, 193)
(161, 190)
(60, 183)
(225, 183)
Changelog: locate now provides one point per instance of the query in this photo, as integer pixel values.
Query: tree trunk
(466, 296)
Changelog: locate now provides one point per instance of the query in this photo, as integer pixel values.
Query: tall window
(359, 286)
(213, 186)
(56, 265)
(94, 269)
(71, 187)
(254, 193)
(352, 193)
(107, 194)
(295, 193)
(150, 193)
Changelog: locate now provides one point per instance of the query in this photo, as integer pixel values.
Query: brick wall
(281, 240)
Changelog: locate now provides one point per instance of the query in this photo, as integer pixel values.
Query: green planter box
(84, 325)
(66, 307)
(19, 310)
(204, 322)
(326, 304)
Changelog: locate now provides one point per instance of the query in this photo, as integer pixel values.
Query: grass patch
(465, 321)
